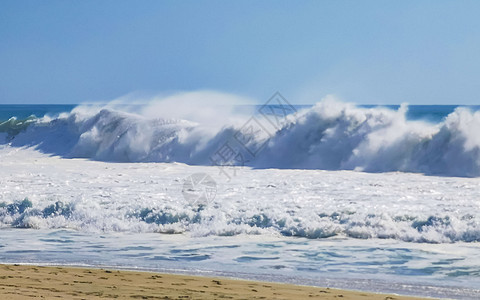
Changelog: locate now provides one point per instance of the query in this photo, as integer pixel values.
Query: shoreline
(22, 281)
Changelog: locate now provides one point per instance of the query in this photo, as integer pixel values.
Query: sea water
(369, 198)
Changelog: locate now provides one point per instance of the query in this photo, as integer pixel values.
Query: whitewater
(330, 136)
(333, 195)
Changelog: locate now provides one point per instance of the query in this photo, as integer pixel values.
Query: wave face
(11, 127)
(337, 136)
(331, 135)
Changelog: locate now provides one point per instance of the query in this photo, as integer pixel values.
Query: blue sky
(370, 52)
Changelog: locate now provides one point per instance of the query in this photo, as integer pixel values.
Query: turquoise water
(37, 110)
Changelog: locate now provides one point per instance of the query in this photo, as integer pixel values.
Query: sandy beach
(21, 282)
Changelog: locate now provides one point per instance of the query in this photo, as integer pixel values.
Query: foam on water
(37, 191)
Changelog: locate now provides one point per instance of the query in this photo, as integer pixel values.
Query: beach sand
(23, 282)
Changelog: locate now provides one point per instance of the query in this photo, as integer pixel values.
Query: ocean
(381, 199)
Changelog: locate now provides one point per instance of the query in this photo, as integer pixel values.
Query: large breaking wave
(331, 135)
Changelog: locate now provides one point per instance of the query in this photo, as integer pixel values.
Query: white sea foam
(337, 136)
(147, 197)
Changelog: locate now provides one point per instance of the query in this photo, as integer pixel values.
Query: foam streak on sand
(23, 282)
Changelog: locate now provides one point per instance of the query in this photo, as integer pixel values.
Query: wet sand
(24, 282)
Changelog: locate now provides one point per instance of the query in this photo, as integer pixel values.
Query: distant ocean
(381, 199)
(23, 111)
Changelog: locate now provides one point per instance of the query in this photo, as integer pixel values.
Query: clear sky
(370, 52)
